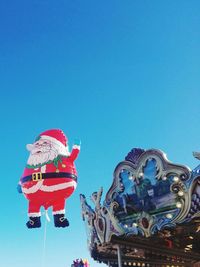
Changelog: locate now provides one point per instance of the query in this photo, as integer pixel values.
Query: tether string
(44, 241)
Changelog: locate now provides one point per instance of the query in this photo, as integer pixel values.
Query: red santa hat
(57, 137)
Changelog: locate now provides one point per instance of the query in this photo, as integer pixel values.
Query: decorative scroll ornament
(148, 195)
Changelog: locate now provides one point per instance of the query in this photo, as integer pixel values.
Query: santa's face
(41, 152)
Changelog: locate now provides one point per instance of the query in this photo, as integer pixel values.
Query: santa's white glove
(77, 142)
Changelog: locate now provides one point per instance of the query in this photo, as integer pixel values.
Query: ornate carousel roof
(150, 215)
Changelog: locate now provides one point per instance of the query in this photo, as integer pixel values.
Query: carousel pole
(119, 256)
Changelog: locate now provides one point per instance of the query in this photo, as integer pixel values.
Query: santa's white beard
(41, 154)
(42, 158)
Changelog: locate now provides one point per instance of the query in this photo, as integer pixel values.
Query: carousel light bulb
(180, 193)
(176, 179)
(141, 174)
(169, 216)
(178, 205)
(135, 224)
(164, 178)
(130, 177)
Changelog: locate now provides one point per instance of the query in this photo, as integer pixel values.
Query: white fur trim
(58, 212)
(56, 187)
(77, 147)
(43, 168)
(34, 214)
(53, 140)
(32, 189)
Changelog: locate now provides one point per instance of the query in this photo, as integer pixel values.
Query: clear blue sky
(117, 75)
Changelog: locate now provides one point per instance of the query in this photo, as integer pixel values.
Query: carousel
(150, 216)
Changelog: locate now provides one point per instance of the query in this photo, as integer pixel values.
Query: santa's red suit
(52, 191)
(51, 181)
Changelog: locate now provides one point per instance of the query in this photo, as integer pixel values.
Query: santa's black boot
(34, 222)
(60, 220)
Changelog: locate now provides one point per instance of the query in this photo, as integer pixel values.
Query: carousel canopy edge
(148, 195)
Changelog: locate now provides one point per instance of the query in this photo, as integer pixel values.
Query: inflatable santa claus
(50, 176)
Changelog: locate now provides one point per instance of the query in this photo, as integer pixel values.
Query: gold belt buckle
(37, 176)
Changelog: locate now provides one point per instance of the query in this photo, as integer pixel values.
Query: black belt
(38, 176)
